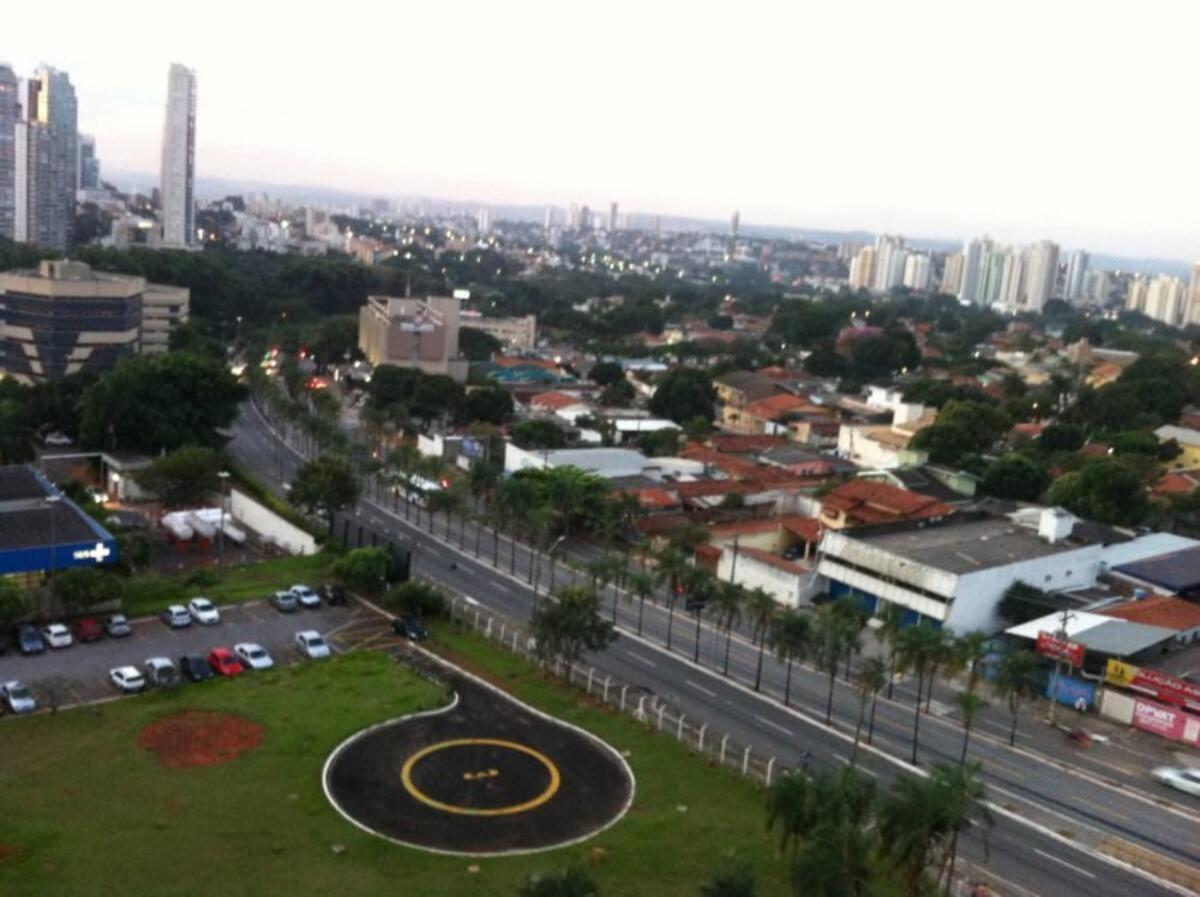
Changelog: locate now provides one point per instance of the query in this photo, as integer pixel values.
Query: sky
(1023, 120)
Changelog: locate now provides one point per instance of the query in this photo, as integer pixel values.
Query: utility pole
(1061, 635)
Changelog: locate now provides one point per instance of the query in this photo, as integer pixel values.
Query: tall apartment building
(890, 256)
(1076, 273)
(916, 272)
(1012, 280)
(1097, 286)
(88, 175)
(612, 218)
(416, 333)
(952, 274)
(8, 151)
(991, 274)
(1164, 300)
(862, 269)
(1135, 294)
(179, 158)
(46, 157)
(1041, 275)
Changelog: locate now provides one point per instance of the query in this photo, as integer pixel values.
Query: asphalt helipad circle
(484, 776)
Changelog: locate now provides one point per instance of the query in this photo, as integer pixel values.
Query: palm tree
(1014, 683)
(482, 478)
(735, 880)
(969, 705)
(405, 459)
(891, 620)
(948, 659)
(791, 810)
(762, 609)
(643, 584)
(911, 826)
(791, 638)
(440, 501)
(700, 587)
(872, 676)
(832, 634)
(852, 615)
(725, 607)
(970, 649)
(917, 649)
(571, 882)
(674, 567)
(963, 805)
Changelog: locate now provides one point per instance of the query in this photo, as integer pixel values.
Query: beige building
(862, 268)
(516, 334)
(416, 333)
(952, 274)
(164, 309)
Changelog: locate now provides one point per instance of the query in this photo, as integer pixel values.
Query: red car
(224, 662)
(88, 630)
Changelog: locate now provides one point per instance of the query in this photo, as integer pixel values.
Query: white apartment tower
(952, 274)
(1076, 273)
(916, 272)
(889, 262)
(974, 255)
(179, 158)
(1041, 274)
(862, 268)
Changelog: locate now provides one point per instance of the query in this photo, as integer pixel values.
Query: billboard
(1162, 686)
(1050, 645)
(1167, 722)
(1073, 692)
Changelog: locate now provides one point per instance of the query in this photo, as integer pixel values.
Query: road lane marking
(1070, 866)
(638, 657)
(767, 722)
(700, 688)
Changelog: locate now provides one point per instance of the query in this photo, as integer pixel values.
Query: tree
(882, 356)
(868, 683)
(618, 394)
(571, 882)
(684, 394)
(790, 810)
(1104, 490)
(962, 427)
(660, 443)
(832, 636)
(14, 602)
(325, 486)
(736, 879)
(571, 626)
(418, 599)
(364, 569)
(477, 345)
(187, 476)
(81, 588)
(604, 373)
(762, 609)
(725, 607)
(791, 639)
(1015, 477)
(1022, 602)
(918, 648)
(891, 621)
(336, 340)
(154, 402)
(643, 584)
(1061, 437)
(537, 434)
(489, 404)
(1014, 683)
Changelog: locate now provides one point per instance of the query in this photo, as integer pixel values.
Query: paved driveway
(83, 669)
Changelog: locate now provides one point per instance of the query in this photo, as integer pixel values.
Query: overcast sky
(1051, 118)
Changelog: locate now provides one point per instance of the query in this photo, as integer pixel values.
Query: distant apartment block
(515, 334)
(410, 332)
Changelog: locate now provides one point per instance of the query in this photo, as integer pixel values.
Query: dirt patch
(199, 738)
(10, 853)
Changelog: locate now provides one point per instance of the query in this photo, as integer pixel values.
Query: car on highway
(128, 679)
(284, 602)
(411, 628)
(17, 697)
(311, 645)
(195, 667)
(177, 617)
(58, 636)
(161, 672)
(204, 611)
(1180, 778)
(29, 640)
(224, 663)
(306, 596)
(333, 594)
(117, 626)
(89, 630)
(253, 656)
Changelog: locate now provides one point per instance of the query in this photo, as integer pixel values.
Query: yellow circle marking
(411, 788)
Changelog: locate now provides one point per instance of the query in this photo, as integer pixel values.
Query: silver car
(1181, 779)
(17, 697)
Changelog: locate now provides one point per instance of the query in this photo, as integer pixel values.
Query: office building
(952, 274)
(164, 310)
(415, 333)
(88, 174)
(1041, 275)
(8, 151)
(1076, 273)
(515, 334)
(179, 159)
(612, 217)
(889, 262)
(548, 218)
(46, 155)
(862, 268)
(916, 272)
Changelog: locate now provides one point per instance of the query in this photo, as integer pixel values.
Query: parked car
(306, 596)
(284, 602)
(333, 594)
(204, 611)
(411, 628)
(56, 439)
(253, 656)
(195, 667)
(58, 636)
(223, 662)
(88, 630)
(29, 640)
(17, 697)
(128, 679)
(117, 626)
(1181, 779)
(311, 645)
(161, 672)
(176, 616)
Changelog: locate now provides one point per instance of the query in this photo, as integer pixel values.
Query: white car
(56, 439)
(254, 656)
(204, 611)
(306, 596)
(57, 636)
(176, 616)
(17, 697)
(311, 644)
(1185, 780)
(128, 679)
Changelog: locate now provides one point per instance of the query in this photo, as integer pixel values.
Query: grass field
(84, 812)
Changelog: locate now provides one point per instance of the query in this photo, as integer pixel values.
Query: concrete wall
(261, 519)
(789, 589)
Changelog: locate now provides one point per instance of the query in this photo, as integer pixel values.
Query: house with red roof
(861, 502)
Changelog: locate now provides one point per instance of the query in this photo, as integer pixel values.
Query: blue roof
(1177, 571)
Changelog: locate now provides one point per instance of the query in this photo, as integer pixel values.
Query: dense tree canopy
(325, 485)
(1016, 477)
(186, 476)
(1104, 490)
(684, 394)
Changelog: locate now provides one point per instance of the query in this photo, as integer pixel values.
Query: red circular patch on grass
(199, 738)
(10, 852)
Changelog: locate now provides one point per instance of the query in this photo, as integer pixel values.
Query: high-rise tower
(46, 154)
(179, 158)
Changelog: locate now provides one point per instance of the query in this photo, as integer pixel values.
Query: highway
(1051, 819)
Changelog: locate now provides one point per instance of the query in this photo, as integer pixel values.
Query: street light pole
(224, 475)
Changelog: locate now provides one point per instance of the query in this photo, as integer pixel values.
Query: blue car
(29, 640)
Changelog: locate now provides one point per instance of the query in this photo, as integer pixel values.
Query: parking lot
(80, 673)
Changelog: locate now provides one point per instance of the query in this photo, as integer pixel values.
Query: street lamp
(52, 501)
(224, 475)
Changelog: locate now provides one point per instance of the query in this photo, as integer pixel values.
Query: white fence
(261, 519)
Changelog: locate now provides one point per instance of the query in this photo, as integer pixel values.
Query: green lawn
(149, 593)
(90, 814)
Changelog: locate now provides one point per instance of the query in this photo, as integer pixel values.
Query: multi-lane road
(1056, 821)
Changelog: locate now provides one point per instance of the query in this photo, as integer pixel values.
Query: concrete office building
(46, 157)
(416, 333)
(8, 151)
(1012, 281)
(612, 218)
(164, 310)
(515, 334)
(179, 159)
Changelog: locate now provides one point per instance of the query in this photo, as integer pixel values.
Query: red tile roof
(508, 361)
(555, 400)
(869, 501)
(1160, 610)
(656, 499)
(774, 560)
(1094, 450)
(808, 528)
(774, 406)
(734, 444)
(1029, 428)
(1174, 484)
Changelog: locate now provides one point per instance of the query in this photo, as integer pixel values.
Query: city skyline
(784, 144)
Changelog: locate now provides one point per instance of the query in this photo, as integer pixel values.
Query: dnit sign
(1050, 646)
(98, 553)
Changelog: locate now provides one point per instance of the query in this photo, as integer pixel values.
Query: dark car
(195, 667)
(29, 640)
(411, 628)
(333, 593)
(88, 630)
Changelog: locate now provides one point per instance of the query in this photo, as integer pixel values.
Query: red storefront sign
(1167, 722)
(1051, 646)
(1166, 688)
